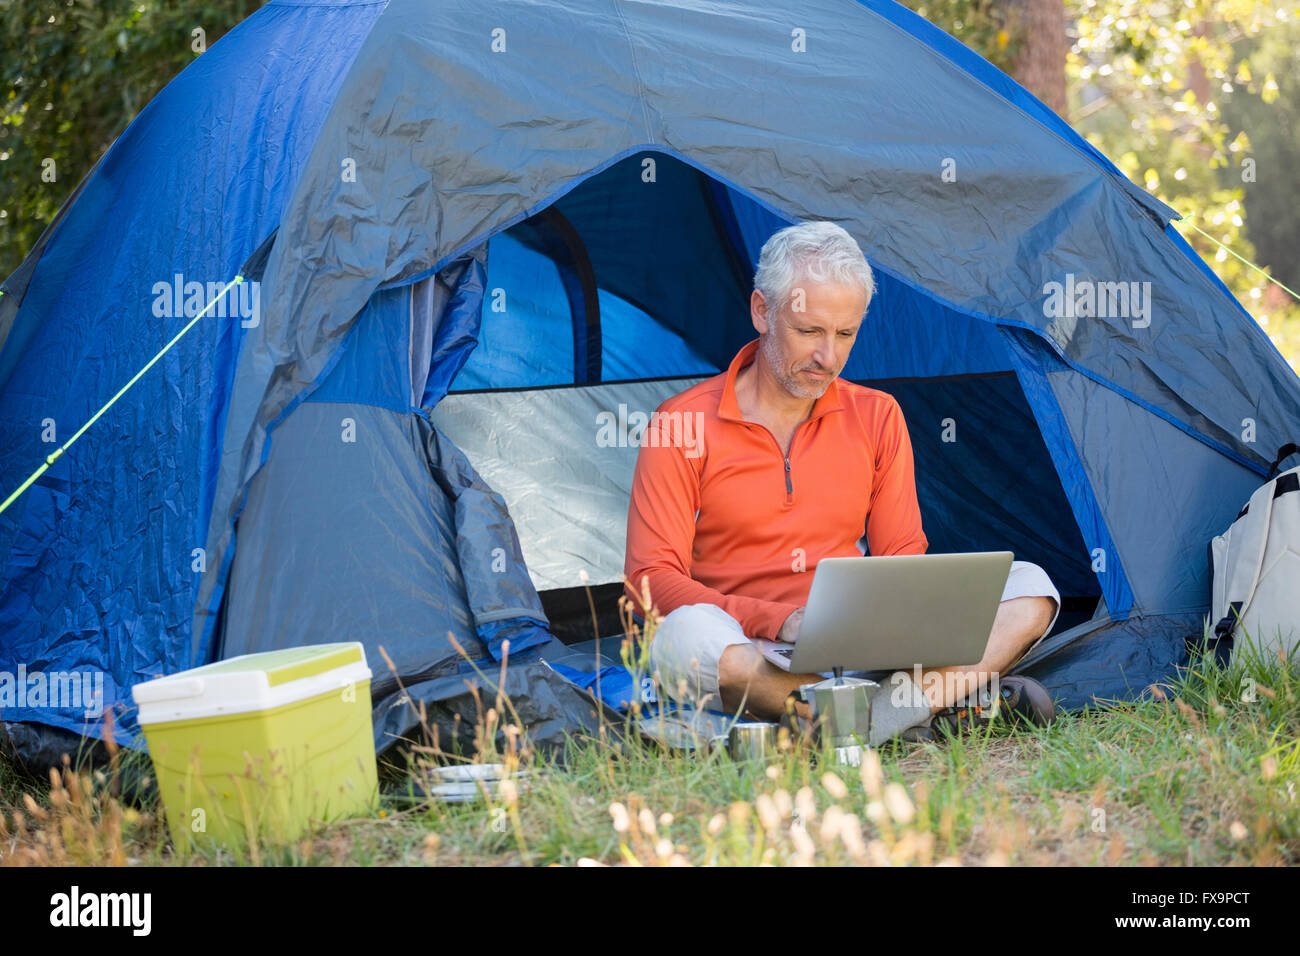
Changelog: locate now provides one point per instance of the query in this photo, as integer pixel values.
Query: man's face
(806, 344)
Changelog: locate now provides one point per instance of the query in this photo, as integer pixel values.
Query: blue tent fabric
(438, 208)
(106, 579)
(616, 685)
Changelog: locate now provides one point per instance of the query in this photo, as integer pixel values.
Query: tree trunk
(1040, 63)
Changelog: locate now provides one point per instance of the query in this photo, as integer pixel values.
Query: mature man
(794, 465)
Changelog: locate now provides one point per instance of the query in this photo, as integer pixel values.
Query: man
(793, 466)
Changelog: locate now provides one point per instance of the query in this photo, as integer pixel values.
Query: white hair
(817, 251)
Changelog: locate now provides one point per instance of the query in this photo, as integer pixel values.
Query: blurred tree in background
(75, 73)
(1270, 119)
(1198, 101)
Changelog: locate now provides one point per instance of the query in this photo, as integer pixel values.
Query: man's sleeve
(894, 521)
(660, 537)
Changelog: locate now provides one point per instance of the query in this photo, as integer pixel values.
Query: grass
(1202, 771)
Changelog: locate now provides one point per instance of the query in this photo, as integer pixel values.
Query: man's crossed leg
(704, 658)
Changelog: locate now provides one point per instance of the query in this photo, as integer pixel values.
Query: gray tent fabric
(430, 552)
(1181, 497)
(497, 584)
(1070, 664)
(290, 568)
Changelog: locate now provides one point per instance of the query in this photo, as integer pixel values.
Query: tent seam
(636, 71)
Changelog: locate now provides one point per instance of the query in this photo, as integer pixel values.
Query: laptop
(892, 613)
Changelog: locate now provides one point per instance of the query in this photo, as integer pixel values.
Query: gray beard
(767, 347)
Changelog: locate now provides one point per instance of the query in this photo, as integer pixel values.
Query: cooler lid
(290, 663)
(251, 682)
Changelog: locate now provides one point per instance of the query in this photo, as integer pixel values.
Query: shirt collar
(729, 408)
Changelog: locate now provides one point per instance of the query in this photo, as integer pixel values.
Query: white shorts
(689, 641)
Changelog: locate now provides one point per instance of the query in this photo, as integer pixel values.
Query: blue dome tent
(482, 237)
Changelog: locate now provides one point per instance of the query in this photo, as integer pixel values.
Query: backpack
(1255, 565)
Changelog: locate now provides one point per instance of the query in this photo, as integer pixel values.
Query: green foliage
(1270, 121)
(986, 26)
(75, 73)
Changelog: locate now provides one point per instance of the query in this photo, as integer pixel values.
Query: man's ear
(758, 312)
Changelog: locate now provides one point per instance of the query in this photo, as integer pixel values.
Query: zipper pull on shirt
(789, 489)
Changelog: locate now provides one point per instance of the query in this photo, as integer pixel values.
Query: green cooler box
(258, 747)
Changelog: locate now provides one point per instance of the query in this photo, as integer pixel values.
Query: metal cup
(754, 740)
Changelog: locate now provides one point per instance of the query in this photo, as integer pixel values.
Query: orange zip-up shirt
(721, 516)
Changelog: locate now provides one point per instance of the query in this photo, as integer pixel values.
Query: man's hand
(790, 629)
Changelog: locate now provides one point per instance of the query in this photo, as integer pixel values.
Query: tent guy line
(1229, 251)
(54, 456)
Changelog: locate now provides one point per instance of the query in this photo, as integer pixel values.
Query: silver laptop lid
(895, 612)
